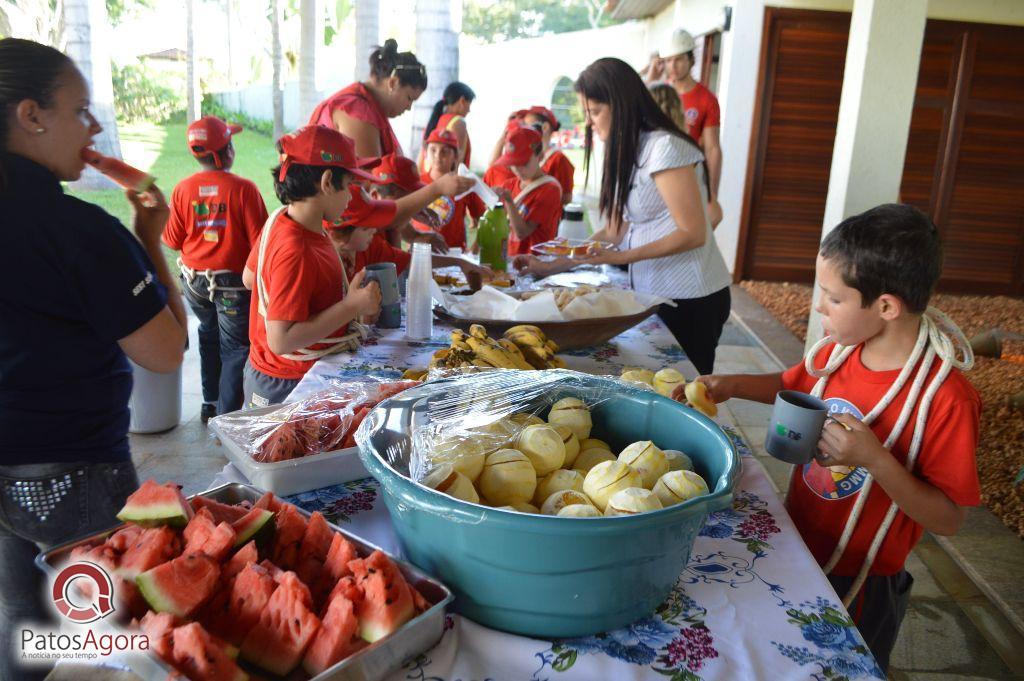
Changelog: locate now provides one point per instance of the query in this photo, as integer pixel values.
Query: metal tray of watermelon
(285, 478)
(372, 662)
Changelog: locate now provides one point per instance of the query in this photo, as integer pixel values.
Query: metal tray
(570, 248)
(285, 478)
(373, 662)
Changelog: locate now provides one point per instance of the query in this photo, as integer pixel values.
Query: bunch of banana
(477, 349)
(534, 346)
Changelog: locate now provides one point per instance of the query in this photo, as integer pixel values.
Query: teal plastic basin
(545, 576)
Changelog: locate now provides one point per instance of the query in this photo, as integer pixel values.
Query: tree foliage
(119, 10)
(499, 20)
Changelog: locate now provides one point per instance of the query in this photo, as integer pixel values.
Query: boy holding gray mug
(896, 455)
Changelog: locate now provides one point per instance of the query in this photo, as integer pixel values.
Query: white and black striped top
(691, 274)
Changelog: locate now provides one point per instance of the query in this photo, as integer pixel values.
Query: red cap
(445, 137)
(363, 211)
(519, 144)
(316, 145)
(209, 134)
(542, 111)
(400, 171)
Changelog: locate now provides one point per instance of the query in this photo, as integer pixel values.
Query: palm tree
(310, 39)
(86, 40)
(367, 35)
(277, 96)
(438, 46)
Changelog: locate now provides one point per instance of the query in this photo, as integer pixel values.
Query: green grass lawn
(160, 150)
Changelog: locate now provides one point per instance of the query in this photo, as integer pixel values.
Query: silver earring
(40, 130)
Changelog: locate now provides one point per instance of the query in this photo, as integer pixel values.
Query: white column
(367, 35)
(195, 95)
(311, 38)
(882, 60)
(737, 92)
(437, 47)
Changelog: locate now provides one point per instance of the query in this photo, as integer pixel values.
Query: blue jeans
(223, 338)
(42, 505)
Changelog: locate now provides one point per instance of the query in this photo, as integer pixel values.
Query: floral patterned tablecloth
(751, 603)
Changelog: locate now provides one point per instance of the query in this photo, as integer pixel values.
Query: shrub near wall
(213, 108)
(140, 95)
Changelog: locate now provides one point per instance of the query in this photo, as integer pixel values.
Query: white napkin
(485, 193)
(487, 303)
(540, 308)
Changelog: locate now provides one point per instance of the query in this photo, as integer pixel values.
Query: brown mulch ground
(1001, 447)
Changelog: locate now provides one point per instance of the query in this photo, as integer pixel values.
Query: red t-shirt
(497, 176)
(700, 107)
(356, 101)
(544, 206)
(453, 216)
(442, 124)
(216, 217)
(558, 166)
(820, 498)
(381, 251)
(303, 276)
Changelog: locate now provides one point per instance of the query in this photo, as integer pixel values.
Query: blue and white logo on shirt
(835, 482)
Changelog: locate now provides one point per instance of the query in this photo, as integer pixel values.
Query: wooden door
(803, 57)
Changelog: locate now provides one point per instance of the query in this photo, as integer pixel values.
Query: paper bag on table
(540, 308)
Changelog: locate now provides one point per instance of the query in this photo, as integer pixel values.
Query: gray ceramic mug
(795, 428)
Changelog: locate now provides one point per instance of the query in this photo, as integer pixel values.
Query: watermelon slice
(284, 631)
(152, 547)
(340, 552)
(253, 524)
(159, 628)
(202, 535)
(333, 642)
(269, 502)
(243, 556)
(181, 585)
(387, 602)
(199, 656)
(250, 594)
(152, 504)
(290, 528)
(124, 538)
(316, 542)
(222, 513)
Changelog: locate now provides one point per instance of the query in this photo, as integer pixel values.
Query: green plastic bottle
(492, 235)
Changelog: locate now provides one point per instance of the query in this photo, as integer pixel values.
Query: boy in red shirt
(442, 150)
(533, 200)
(554, 162)
(876, 272)
(303, 302)
(215, 219)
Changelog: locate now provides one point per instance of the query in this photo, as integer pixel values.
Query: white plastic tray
(295, 475)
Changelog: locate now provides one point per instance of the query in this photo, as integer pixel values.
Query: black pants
(697, 324)
(878, 610)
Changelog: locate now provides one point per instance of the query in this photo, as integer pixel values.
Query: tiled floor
(938, 639)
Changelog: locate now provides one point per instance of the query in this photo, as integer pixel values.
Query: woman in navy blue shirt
(79, 294)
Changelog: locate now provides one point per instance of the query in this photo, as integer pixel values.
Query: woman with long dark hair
(450, 114)
(653, 195)
(79, 294)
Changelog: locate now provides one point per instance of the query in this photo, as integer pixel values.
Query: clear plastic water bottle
(572, 225)
(419, 315)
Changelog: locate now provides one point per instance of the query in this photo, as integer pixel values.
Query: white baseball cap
(680, 42)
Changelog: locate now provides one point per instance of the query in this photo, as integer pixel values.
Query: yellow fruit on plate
(447, 480)
(508, 478)
(559, 500)
(676, 487)
(697, 395)
(589, 458)
(543, 446)
(667, 380)
(631, 501)
(571, 442)
(607, 478)
(556, 481)
(579, 511)
(574, 413)
(646, 459)
(677, 460)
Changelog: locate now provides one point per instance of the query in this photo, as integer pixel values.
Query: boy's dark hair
(390, 191)
(387, 61)
(302, 181)
(893, 248)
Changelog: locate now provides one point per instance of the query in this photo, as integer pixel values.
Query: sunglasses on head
(409, 67)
